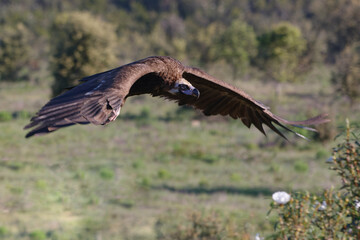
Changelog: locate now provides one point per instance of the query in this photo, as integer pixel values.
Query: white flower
(281, 197)
(357, 204)
(257, 237)
(323, 206)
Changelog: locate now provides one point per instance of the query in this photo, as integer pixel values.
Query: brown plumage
(100, 97)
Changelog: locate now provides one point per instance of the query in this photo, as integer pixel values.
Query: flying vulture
(100, 97)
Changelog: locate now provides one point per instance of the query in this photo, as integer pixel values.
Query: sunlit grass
(155, 162)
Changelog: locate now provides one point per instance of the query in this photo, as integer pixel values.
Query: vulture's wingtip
(35, 133)
(320, 119)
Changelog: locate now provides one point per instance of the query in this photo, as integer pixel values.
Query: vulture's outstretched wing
(218, 97)
(97, 100)
(93, 101)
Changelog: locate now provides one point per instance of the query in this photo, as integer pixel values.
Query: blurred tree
(82, 45)
(160, 43)
(341, 21)
(173, 26)
(346, 77)
(201, 43)
(144, 18)
(280, 50)
(14, 52)
(237, 46)
(194, 30)
(170, 35)
(166, 38)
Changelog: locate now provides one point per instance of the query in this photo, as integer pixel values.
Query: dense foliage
(283, 39)
(280, 50)
(237, 46)
(14, 52)
(347, 75)
(77, 38)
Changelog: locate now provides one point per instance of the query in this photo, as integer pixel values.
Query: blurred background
(159, 169)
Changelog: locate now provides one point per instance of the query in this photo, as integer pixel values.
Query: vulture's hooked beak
(191, 92)
(196, 93)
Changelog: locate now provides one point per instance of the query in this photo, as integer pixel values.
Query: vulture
(100, 97)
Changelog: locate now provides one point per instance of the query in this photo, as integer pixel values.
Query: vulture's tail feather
(323, 118)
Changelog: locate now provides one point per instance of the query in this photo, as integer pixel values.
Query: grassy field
(144, 175)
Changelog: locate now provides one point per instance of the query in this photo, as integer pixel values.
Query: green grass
(155, 162)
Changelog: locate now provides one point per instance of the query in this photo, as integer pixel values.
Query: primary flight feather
(100, 97)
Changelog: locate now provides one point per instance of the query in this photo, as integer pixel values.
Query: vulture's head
(182, 86)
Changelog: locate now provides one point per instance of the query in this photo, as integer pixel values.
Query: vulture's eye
(183, 87)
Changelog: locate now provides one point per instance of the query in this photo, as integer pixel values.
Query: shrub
(280, 50)
(200, 226)
(144, 182)
(184, 113)
(106, 173)
(83, 45)
(335, 214)
(138, 164)
(5, 116)
(126, 203)
(237, 46)
(22, 114)
(301, 166)
(163, 174)
(3, 232)
(346, 77)
(322, 154)
(145, 117)
(326, 132)
(14, 52)
(37, 235)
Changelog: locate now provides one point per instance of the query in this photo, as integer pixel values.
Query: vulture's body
(100, 97)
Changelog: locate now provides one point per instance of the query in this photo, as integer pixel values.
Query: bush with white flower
(335, 214)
